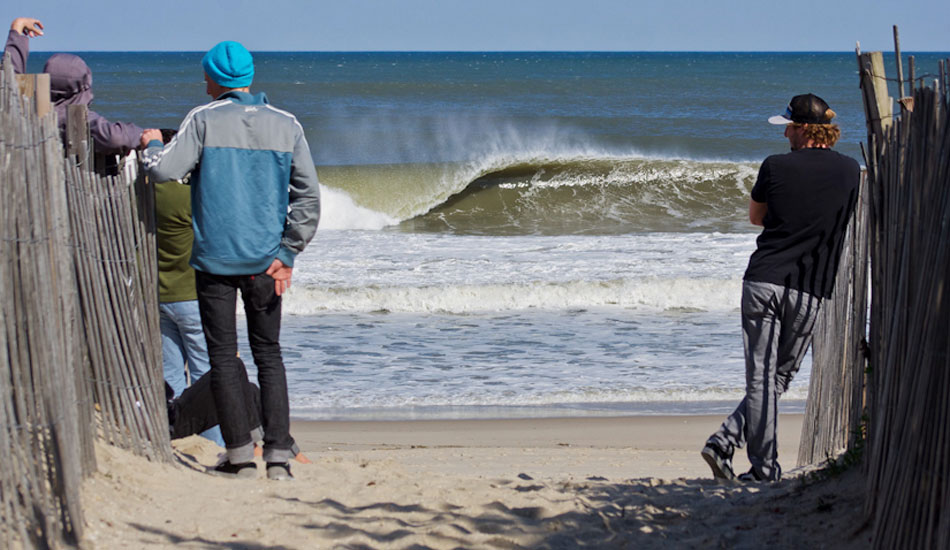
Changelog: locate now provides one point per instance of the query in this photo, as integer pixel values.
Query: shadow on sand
(645, 513)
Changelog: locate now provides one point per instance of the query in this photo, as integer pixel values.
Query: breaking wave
(541, 194)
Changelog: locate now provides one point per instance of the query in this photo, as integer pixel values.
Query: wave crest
(549, 194)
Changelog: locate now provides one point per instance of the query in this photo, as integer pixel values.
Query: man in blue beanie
(255, 206)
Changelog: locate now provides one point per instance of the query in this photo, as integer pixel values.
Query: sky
(488, 25)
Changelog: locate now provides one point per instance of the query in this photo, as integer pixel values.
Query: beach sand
(635, 482)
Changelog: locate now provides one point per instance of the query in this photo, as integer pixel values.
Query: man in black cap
(804, 200)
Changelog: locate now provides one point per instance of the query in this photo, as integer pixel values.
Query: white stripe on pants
(777, 324)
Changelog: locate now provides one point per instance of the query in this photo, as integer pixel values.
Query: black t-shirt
(810, 195)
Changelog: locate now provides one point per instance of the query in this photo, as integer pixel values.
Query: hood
(70, 80)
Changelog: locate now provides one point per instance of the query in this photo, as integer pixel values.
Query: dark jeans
(217, 300)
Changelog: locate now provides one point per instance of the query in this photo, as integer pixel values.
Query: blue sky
(488, 25)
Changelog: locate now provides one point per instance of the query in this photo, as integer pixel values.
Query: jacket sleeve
(304, 206)
(179, 156)
(18, 46)
(113, 137)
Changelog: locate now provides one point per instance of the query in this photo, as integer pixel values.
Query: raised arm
(28, 26)
(18, 41)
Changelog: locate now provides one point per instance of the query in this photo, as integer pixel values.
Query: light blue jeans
(183, 343)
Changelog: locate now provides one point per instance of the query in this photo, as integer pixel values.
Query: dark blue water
(367, 108)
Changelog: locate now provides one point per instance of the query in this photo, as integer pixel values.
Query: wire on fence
(79, 338)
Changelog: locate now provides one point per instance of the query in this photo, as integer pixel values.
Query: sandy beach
(635, 482)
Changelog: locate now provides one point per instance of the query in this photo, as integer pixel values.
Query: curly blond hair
(822, 134)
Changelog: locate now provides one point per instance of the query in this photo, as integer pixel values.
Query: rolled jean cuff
(257, 435)
(279, 455)
(242, 454)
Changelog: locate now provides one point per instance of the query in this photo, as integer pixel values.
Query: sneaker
(719, 462)
(279, 471)
(750, 477)
(244, 470)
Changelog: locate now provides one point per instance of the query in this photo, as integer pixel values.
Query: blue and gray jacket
(254, 189)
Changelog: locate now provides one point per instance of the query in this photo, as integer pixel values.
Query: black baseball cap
(804, 109)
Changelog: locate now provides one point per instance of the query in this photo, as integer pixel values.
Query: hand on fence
(28, 26)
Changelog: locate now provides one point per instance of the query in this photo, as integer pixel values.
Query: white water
(419, 272)
(338, 211)
(385, 325)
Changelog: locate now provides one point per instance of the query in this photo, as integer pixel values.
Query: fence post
(36, 87)
(878, 105)
(78, 140)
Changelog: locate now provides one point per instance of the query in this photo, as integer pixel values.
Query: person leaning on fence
(804, 200)
(255, 206)
(70, 84)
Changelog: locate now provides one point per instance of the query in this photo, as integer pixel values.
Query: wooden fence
(835, 408)
(79, 338)
(908, 447)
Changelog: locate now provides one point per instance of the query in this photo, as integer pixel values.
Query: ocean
(510, 235)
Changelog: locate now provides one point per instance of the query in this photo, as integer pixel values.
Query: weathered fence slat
(908, 481)
(79, 338)
(43, 443)
(835, 406)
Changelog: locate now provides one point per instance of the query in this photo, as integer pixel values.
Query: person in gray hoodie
(70, 84)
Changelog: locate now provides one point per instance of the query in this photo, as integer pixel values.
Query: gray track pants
(777, 324)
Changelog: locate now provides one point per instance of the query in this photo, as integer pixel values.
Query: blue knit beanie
(229, 64)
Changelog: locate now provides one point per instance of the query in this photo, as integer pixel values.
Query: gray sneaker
(719, 462)
(279, 471)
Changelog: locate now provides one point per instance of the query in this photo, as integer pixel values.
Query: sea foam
(651, 294)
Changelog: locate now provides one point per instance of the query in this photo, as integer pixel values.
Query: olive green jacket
(176, 279)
